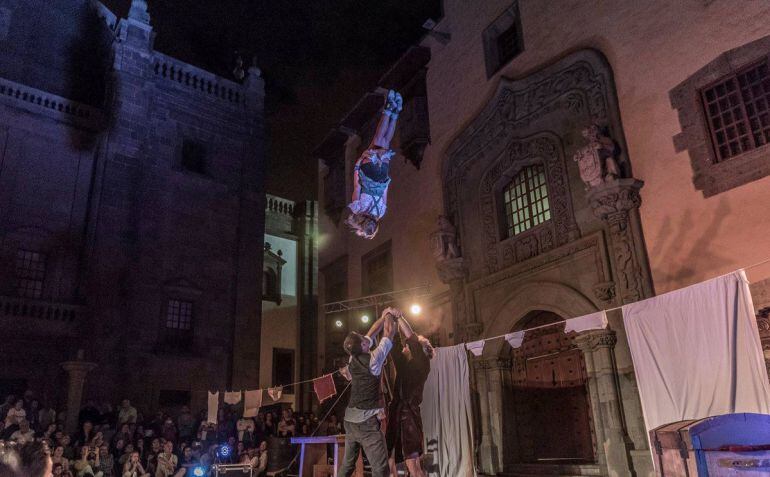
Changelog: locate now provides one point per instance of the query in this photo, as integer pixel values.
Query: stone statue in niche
(444, 240)
(597, 160)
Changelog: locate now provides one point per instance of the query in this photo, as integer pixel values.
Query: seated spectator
(24, 434)
(128, 451)
(46, 416)
(287, 425)
(48, 432)
(33, 414)
(56, 470)
(133, 468)
(168, 431)
(118, 449)
(84, 436)
(151, 456)
(89, 460)
(15, 415)
(10, 400)
(167, 462)
(259, 461)
(127, 413)
(185, 424)
(106, 461)
(188, 460)
(58, 457)
(269, 425)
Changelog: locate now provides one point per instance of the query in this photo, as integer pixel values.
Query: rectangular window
(30, 273)
(179, 315)
(526, 200)
(378, 270)
(738, 111)
(508, 44)
(283, 368)
(194, 157)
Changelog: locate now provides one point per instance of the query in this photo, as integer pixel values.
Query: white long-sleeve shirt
(376, 361)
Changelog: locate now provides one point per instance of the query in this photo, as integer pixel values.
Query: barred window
(30, 273)
(526, 200)
(179, 315)
(508, 44)
(738, 111)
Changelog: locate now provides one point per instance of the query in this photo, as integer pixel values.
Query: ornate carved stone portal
(586, 254)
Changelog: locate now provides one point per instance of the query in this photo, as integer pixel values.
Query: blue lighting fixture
(224, 451)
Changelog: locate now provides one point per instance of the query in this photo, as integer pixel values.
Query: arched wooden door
(548, 405)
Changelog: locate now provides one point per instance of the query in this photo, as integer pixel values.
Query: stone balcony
(36, 317)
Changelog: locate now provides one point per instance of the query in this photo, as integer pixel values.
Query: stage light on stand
(338, 323)
(415, 309)
(364, 318)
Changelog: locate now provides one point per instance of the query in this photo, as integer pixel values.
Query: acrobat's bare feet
(399, 102)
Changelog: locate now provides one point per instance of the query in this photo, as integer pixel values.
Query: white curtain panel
(446, 414)
(697, 353)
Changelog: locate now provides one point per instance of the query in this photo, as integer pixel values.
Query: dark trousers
(367, 436)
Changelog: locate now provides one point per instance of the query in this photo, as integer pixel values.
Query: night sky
(318, 57)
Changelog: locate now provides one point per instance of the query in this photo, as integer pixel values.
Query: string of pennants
(323, 387)
(593, 321)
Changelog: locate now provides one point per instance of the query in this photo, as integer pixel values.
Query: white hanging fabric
(594, 321)
(697, 353)
(475, 347)
(515, 339)
(447, 413)
(213, 408)
(252, 401)
(232, 397)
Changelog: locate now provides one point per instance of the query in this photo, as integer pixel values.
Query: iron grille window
(30, 273)
(179, 315)
(738, 111)
(526, 200)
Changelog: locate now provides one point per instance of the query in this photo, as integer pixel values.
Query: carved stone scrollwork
(605, 292)
(451, 270)
(492, 363)
(592, 340)
(613, 202)
(472, 331)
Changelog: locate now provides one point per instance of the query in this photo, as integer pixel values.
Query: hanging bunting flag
(324, 387)
(514, 339)
(252, 401)
(475, 347)
(275, 393)
(594, 321)
(213, 408)
(233, 397)
(345, 373)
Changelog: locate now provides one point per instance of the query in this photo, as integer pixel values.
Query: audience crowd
(121, 442)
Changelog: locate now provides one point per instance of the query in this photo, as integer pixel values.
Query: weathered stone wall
(129, 227)
(677, 237)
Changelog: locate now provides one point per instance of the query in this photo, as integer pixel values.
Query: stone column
(498, 368)
(487, 450)
(597, 347)
(452, 272)
(76, 377)
(617, 202)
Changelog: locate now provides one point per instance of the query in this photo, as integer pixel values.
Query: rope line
(607, 310)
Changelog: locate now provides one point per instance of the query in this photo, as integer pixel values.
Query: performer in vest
(371, 176)
(404, 430)
(366, 405)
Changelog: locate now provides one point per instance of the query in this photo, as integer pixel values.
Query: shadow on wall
(680, 252)
(89, 77)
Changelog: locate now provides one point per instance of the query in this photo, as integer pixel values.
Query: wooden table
(313, 452)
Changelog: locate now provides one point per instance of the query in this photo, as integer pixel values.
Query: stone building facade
(131, 212)
(556, 159)
(289, 299)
